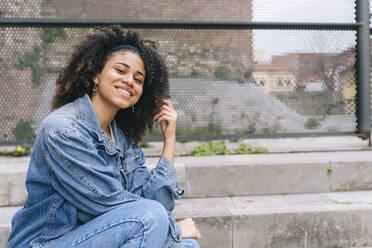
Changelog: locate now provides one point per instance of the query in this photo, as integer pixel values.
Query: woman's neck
(105, 113)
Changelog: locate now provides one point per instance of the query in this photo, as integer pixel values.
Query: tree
(332, 55)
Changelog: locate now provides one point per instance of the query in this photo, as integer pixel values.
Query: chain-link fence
(226, 81)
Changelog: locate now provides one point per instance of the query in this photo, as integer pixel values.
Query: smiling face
(120, 83)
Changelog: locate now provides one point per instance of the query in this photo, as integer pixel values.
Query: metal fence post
(363, 69)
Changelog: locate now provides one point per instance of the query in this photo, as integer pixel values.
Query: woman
(87, 183)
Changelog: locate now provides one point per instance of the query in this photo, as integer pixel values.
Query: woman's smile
(123, 91)
(120, 83)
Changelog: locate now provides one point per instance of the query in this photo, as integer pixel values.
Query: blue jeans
(137, 224)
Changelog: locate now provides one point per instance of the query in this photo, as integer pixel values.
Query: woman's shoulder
(61, 118)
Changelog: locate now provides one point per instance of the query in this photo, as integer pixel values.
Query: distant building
(274, 78)
(315, 86)
(308, 71)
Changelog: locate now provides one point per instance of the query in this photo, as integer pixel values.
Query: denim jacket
(77, 173)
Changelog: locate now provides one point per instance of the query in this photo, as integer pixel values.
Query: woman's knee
(155, 222)
(155, 213)
(149, 212)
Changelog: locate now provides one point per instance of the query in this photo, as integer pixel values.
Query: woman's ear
(95, 79)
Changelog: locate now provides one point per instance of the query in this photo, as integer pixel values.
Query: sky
(274, 42)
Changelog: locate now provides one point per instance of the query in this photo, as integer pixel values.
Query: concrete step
(6, 214)
(322, 220)
(238, 175)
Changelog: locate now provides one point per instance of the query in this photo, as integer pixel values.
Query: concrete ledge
(12, 181)
(6, 214)
(277, 145)
(342, 219)
(265, 174)
(238, 175)
(13, 176)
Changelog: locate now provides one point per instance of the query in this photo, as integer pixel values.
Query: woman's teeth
(124, 92)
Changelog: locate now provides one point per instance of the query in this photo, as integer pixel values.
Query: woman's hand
(189, 229)
(167, 117)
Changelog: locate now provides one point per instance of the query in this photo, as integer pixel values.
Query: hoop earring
(133, 109)
(94, 88)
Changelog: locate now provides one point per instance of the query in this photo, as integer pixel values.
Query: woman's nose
(129, 79)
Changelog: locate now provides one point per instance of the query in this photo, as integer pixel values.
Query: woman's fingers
(167, 108)
(197, 234)
(165, 114)
(166, 118)
(189, 229)
(168, 103)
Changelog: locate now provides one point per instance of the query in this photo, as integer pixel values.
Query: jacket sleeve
(160, 184)
(80, 175)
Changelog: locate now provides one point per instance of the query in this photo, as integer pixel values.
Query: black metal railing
(221, 63)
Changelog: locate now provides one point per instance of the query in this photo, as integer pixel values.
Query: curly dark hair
(87, 61)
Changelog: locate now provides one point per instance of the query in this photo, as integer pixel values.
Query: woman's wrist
(170, 139)
(169, 147)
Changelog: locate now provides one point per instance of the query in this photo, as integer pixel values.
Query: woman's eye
(119, 70)
(138, 80)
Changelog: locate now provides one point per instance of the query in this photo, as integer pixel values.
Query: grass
(330, 169)
(211, 148)
(145, 145)
(345, 202)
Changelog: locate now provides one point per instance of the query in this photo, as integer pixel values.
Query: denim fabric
(77, 173)
(189, 243)
(137, 224)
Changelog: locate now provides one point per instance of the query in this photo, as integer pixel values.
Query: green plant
(194, 73)
(24, 131)
(312, 123)
(240, 80)
(251, 129)
(49, 35)
(213, 128)
(271, 130)
(345, 202)
(145, 145)
(155, 131)
(32, 60)
(244, 149)
(261, 150)
(221, 73)
(331, 129)
(210, 149)
(19, 151)
(248, 73)
(330, 169)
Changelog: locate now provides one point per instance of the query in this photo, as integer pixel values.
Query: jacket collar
(88, 115)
